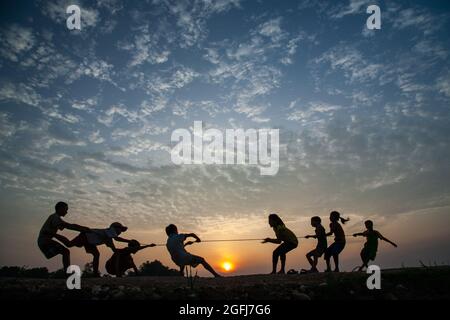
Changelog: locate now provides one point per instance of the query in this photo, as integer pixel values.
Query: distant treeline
(154, 268)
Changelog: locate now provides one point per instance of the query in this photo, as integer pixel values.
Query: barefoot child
(96, 237)
(369, 252)
(122, 260)
(54, 222)
(321, 237)
(339, 240)
(175, 245)
(284, 236)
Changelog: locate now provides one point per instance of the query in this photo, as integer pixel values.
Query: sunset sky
(364, 117)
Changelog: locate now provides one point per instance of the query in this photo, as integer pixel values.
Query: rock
(96, 290)
(401, 287)
(390, 296)
(323, 284)
(303, 288)
(155, 296)
(299, 295)
(117, 294)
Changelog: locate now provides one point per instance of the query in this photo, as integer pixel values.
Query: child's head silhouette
(315, 221)
(171, 229)
(118, 227)
(134, 245)
(61, 208)
(275, 220)
(369, 224)
(336, 216)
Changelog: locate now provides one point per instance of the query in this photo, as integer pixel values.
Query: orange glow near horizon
(227, 266)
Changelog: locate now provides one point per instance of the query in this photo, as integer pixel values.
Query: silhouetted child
(95, 237)
(369, 252)
(284, 236)
(121, 260)
(339, 240)
(321, 237)
(54, 222)
(176, 247)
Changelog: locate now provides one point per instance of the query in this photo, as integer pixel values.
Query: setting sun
(227, 266)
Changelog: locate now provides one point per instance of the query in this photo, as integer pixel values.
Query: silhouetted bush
(23, 272)
(156, 268)
(58, 274)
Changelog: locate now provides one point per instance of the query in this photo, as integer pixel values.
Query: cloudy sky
(364, 118)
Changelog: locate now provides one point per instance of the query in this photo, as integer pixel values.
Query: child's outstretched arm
(188, 243)
(359, 234)
(75, 227)
(193, 235)
(331, 231)
(310, 236)
(266, 240)
(387, 240)
(119, 239)
(111, 245)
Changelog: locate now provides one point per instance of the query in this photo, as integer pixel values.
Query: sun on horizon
(227, 266)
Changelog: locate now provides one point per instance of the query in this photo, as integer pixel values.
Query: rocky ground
(401, 284)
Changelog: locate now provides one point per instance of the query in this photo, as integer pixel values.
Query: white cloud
(415, 18)
(85, 105)
(95, 137)
(16, 40)
(443, 85)
(353, 7)
(351, 62)
(145, 48)
(272, 29)
(109, 116)
(19, 93)
(313, 110)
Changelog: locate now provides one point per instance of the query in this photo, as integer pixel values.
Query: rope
(239, 240)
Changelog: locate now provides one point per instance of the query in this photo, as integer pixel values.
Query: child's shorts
(82, 241)
(50, 248)
(334, 249)
(318, 251)
(190, 260)
(368, 255)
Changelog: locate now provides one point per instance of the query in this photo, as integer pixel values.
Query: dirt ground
(398, 284)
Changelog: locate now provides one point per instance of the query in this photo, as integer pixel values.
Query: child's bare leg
(209, 268)
(66, 258)
(311, 262)
(283, 263)
(336, 262)
(365, 263)
(314, 266)
(95, 262)
(274, 261)
(63, 240)
(327, 260)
